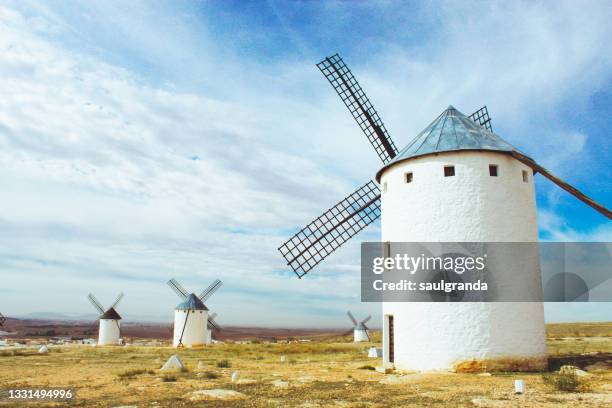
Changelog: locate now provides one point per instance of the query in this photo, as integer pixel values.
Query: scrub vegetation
(326, 371)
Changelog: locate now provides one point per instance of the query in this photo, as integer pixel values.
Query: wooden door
(391, 343)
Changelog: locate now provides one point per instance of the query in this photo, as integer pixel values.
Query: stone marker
(519, 387)
(173, 363)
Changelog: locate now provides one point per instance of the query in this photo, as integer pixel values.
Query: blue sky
(146, 140)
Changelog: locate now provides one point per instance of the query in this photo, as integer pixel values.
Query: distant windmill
(211, 326)
(456, 181)
(359, 330)
(110, 325)
(191, 315)
(2, 320)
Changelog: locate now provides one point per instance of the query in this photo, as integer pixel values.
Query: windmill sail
(481, 116)
(116, 302)
(95, 303)
(565, 186)
(178, 289)
(212, 324)
(331, 230)
(208, 292)
(357, 102)
(350, 315)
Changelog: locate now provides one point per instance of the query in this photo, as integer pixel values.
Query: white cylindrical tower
(109, 333)
(360, 334)
(446, 187)
(190, 320)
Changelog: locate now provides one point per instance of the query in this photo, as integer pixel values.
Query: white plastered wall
(194, 333)
(360, 335)
(109, 333)
(471, 206)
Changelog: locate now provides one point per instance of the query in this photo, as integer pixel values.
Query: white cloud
(97, 138)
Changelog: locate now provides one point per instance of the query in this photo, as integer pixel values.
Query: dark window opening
(525, 176)
(449, 171)
(409, 177)
(493, 170)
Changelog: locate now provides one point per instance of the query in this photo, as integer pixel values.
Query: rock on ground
(214, 394)
(569, 369)
(280, 383)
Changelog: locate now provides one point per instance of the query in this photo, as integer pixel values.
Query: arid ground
(326, 371)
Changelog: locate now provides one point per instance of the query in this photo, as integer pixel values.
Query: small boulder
(570, 369)
(43, 349)
(219, 394)
(280, 383)
(384, 369)
(174, 363)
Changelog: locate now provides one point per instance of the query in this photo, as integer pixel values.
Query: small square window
(449, 171)
(385, 187)
(493, 170)
(408, 177)
(525, 176)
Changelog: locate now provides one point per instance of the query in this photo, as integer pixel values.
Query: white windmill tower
(457, 181)
(191, 315)
(110, 322)
(359, 330)
(211, 327)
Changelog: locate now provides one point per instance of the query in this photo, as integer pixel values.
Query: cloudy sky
(146, 140)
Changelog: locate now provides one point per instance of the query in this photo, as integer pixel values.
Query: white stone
(519, 386)
(384, 369)
(235, 376)
(570, 369)
(283, 359)
(214, 394)
(280, 383)
(43, 349)
(173, 363)
(472, 206)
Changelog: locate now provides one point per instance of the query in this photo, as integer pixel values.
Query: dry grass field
(321, 373)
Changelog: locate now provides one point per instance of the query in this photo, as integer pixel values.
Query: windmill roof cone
(489, 197)
(191, 302)
(450, 131)
(111, 314)
(191, 318)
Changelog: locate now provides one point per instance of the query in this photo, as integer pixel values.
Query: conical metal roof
(451, 131)
(110, 314)
(192, 302)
